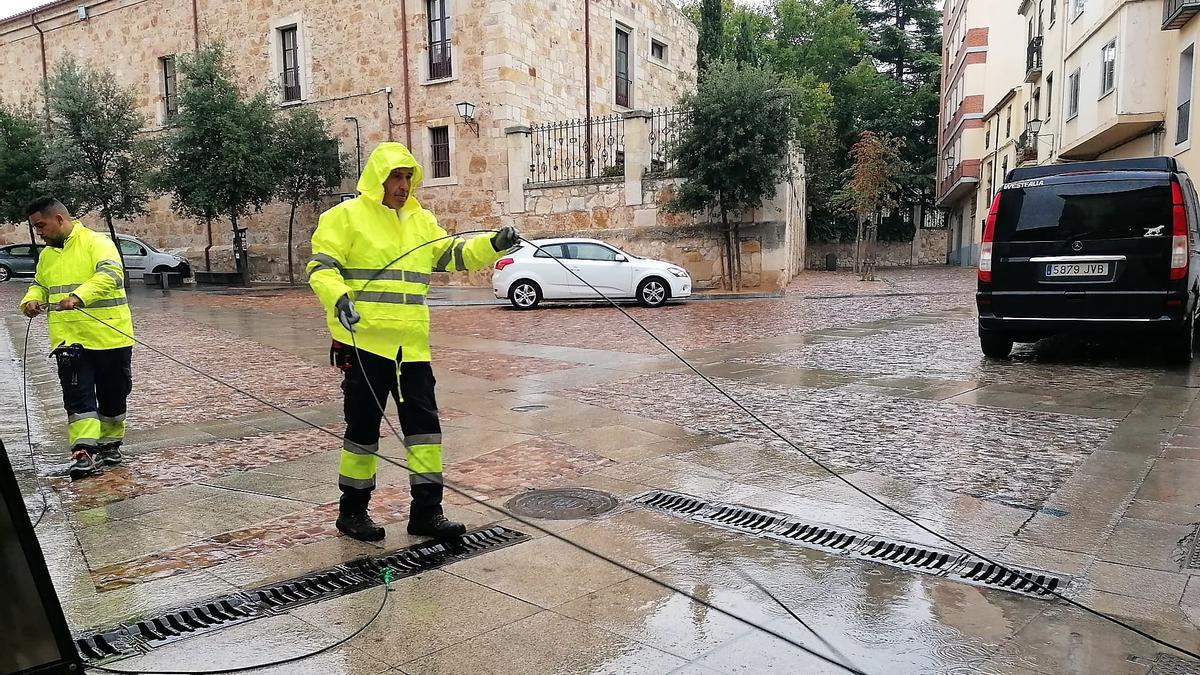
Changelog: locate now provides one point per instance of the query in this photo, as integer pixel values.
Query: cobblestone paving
(497, 475)
(495, 366)
(951, 351)
(971, 450)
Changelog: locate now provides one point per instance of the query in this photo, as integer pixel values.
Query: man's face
(52, 228)
(397, 187)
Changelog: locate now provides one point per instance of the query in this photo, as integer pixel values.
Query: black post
(358, 144)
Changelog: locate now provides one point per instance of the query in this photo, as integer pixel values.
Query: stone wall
(930, 250)
(518, 61)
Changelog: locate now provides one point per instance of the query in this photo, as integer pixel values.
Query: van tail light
(985, 249)
(502, 263)
(1179, 234)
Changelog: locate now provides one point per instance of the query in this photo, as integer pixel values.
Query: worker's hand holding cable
(506, 238)
(33, 308)
(69, 302)
(346, 313)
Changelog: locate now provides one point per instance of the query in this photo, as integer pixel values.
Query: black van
(1091, 247)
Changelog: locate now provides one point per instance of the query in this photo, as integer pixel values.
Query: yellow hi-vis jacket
(359, 237)
(88, 267)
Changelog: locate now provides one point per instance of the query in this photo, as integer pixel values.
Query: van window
(1085, 210)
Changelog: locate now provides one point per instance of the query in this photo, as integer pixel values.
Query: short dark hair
(46, 206)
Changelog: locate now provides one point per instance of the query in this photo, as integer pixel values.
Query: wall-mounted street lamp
(467, 112)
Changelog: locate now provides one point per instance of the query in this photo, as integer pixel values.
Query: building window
(1008, 123)
(170, 99)
(1184, 110)
(658, 51)
(291, 63)
(1078, 8)
(1041, 14)
(1049, 96)
(1108, 68)
(439, 145)
(1004, 169)
(987, 136)
(1053, 11)
(439, 40)
(1073, 95)
(991, 182)
(624, 76)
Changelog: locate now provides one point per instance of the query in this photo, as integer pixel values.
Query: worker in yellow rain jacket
(355, 273)
(81, 269)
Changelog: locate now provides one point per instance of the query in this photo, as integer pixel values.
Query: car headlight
(678, 272)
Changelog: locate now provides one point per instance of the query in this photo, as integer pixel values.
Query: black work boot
(435, 525)
(109, 454)
(359, 526)
(82, 464)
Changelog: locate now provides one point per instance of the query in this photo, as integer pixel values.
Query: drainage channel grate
(142, 635)
(901, 554)
(1166, 664)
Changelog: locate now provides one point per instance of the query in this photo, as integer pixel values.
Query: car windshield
(1086, 210)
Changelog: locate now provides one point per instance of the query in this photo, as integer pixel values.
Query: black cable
(769, 594)
(476, 500)
(271, 664)
(29, 425)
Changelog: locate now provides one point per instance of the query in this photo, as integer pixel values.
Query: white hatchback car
(527, 275)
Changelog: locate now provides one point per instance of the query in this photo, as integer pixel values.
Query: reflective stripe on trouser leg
(112, 429)
(83, 430)
(357, 471)
(425, 463)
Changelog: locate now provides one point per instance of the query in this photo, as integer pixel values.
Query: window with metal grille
(624, 75)
(439, 40)
(167, 65)
(439, 143)
(291, 63)
(1108, 68)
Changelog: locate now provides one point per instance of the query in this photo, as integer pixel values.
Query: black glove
(346, 312)
(505, 239)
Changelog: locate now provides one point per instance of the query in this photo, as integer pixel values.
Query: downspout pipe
(407, 101)
(45, 74)
(587, 82)
(195, 27)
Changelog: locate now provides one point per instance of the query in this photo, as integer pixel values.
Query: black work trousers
(95, 385)
(412, 386)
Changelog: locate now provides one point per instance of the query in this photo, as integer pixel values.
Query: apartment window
(1184, 110)
(991, 183)
(1049, 96)
(439, 146)
(624, 76)
(1078, 4)
(439, 40)
(1004, 169)
(291, 63)
(1041, 14)
(1053, 11)
(1008, 123)
(658, 51)
(987, 136)
(170, 88)
(1073, 95)
(1108, 68)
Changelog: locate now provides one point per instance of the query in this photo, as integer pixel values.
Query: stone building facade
(375, 71)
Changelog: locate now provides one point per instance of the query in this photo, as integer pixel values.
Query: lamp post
(467, 112)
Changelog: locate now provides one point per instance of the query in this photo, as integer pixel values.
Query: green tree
(734, 149)
(712, 30)
(97, 160)
(222, 159)
(310, 167)
(23, 162)
(745, 46)
(822, 38)
(871, 187)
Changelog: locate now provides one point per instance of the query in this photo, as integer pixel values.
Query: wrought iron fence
(577, 149)
(666, 126)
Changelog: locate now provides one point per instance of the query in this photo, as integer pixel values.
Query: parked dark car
(1091, 247)
(16, 261)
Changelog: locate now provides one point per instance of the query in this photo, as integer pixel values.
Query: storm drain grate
(1193, 558)
(1167, 664)
(142, 635)
(891, 552)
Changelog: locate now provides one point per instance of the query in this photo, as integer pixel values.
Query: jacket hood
(385, 157)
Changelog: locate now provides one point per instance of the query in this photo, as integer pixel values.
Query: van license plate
(1056, 270)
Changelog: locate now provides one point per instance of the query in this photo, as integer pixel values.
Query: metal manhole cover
(529, 408)
(562, 503)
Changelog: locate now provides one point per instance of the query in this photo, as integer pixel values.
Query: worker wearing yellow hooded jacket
(80, 268)
(373, 257)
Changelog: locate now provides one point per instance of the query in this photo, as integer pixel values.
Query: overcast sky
(10, 7)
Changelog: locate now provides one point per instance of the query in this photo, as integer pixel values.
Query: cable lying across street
(601, 556)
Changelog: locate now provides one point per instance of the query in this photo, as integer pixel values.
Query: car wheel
(525, 294)
(5, 273)
(996, 346)
(653, 292)
(1182, 346)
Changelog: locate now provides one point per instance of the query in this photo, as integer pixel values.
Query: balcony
(1033, 60)
(1113, 133)
(961, 181)
(1027, 151)
(1176, 13)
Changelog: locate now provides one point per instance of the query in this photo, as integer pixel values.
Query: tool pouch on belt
(68, 357)
(341, 356)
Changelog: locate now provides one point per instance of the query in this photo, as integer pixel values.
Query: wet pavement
(1073, 458)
